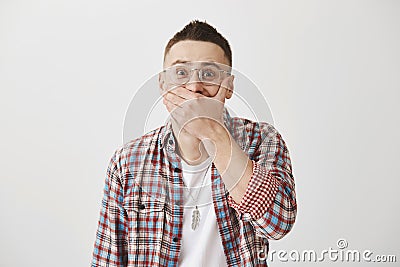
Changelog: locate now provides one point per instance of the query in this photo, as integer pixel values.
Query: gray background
(69, 69)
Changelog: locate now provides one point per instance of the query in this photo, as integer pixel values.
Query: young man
(205, 189)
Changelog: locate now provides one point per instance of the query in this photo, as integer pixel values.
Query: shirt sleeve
(110, 248)
(259, 195)
(269, 202)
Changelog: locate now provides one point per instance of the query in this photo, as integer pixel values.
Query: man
(205, 189)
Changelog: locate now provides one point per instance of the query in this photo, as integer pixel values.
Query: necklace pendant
(195, 218)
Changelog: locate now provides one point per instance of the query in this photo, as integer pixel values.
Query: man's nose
(194, 84)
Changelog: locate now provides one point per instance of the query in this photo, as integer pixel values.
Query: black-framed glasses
(208, 72)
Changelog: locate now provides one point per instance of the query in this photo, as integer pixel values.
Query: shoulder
(242, 127)
(145, 140)
(136, 148)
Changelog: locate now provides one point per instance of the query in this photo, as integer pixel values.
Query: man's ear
(229, 90)
(161, 82)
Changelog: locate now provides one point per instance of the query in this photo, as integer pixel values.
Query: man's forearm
(232, 163)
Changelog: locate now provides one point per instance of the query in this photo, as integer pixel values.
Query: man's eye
(209, 74)
(181, 72)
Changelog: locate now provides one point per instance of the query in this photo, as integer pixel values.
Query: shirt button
(175, 239)
(261, 254)
(142, 206)
(177, 170)
(170, 142)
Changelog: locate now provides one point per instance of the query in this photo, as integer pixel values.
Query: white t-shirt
(203, 246)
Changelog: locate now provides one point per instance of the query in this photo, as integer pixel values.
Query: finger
(176, 99)
(171, 106)
(185, 93)
(224, 89)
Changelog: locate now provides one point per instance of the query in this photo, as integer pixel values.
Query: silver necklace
(196, 212)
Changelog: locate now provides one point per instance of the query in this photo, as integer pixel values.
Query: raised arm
(262, 188)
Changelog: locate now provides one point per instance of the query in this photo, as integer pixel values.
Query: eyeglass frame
(199, 70)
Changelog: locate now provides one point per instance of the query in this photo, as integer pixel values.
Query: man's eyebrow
(208, 63)
(217, 65)
(203, 63)
(179, 61)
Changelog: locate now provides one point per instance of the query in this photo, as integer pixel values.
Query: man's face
(196, 56)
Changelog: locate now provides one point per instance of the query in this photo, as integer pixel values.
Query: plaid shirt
(142, 214)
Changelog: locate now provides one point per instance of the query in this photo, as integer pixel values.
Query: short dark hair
(201, 31)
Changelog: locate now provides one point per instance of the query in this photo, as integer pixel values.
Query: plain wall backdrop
(69, 69)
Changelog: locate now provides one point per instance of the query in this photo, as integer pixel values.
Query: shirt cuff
(260, 193)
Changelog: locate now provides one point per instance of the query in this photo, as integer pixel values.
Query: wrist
(219, 135)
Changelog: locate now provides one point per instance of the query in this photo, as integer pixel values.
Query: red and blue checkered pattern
(141, 216)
